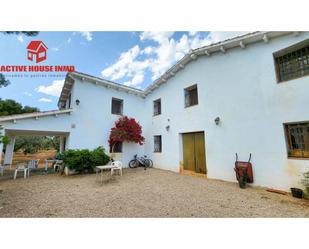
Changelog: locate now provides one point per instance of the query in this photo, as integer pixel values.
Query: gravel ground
(139, 193)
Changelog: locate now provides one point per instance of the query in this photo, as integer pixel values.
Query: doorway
(194, 155)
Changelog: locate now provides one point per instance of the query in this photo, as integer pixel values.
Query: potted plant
(297, 192)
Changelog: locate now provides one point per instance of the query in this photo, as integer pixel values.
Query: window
(292, 62)
(191, 96)
(117, 106)
(157, 143)
(117, 148)
(41, 55)
(297, 136)
(157, 107)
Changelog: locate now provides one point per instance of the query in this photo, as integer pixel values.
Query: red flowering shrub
(126, 129)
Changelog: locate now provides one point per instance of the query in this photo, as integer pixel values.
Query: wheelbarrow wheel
(242, 181)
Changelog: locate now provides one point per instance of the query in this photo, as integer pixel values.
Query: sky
(131, 58)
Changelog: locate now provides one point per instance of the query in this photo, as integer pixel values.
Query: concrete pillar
(61, 149)
(1, 149)
(9, 151)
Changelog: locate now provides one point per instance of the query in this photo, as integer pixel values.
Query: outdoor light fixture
(217, 120)
(167, 128)
(77, 102)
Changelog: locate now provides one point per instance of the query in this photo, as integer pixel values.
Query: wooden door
(200, 158)
(194, 157)
(188, 152)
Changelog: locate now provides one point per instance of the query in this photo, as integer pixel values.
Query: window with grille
(117, 106)
(297, 136)
(157, 144)
(191, 97)
(157, 107)
(117, 147)
(292, 62)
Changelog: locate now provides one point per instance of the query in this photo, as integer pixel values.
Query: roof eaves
(222, 46)
(34, 115)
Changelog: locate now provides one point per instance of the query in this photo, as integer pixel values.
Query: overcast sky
(132, 58)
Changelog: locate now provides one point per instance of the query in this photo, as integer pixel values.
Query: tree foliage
(3, 82)
(32, 144)
(126, 129)
(10, 107)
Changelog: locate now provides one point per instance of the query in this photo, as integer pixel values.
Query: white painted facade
(236, 84)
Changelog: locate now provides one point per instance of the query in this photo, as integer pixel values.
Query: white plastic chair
(33, 164)
(19, 168)
(117, 166)
(58, 165)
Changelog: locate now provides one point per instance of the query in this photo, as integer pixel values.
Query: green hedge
(84, 160)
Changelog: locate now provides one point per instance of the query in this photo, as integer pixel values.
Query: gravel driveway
(139, 193)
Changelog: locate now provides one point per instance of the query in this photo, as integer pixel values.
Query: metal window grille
(294, 64)
(157, 107)
(117, 106)
(157, 144)
(191, 96)
(298, 139)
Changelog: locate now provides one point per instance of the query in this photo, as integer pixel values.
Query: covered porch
(51, 123)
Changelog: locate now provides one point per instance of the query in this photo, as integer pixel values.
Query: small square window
(157, 107)
(117, 147)
(157, 143)
(191, 97)
(117, 106)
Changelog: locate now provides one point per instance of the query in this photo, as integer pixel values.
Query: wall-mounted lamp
(167, 128)
(77, 101)
(217, 120)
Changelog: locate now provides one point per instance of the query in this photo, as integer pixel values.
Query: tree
(4, 82)
(32, 144)
(10, 107)
(126, 129)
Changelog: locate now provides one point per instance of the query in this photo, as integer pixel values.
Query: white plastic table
(101, 169)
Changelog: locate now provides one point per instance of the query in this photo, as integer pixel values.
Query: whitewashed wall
(240, 87)
(93, 119)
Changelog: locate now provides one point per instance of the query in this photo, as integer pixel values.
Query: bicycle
(141, 162)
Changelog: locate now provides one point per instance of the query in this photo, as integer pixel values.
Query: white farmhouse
(248, 94)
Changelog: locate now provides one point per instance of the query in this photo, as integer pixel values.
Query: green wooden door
(194, 157)
(188, 152)
(200, 158)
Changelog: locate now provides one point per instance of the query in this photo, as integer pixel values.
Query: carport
(49, 123)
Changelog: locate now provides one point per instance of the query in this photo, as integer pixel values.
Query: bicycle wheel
(150, 163)
(133, 163)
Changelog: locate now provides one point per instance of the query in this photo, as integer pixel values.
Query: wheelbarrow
(244, 173)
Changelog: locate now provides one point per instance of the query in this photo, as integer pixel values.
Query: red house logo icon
(36, 51)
